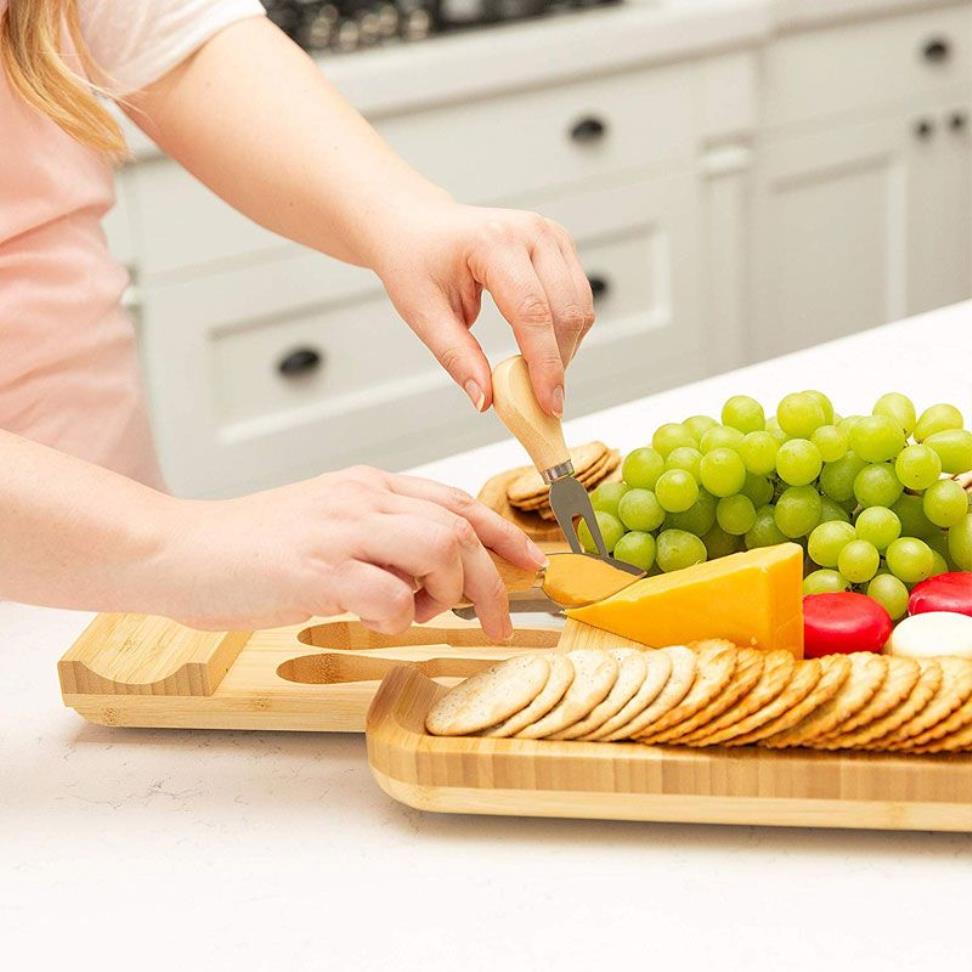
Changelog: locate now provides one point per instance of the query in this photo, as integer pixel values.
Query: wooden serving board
(630, 781)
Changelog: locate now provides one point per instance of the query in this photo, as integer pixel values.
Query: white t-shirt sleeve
(134, 44)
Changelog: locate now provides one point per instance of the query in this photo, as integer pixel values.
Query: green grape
(798, 462)
(945, 503)
(909, 511)
(877, 485)
(676, 549)
(670, 436)
(837, 478)
(721, 437)
(876, 438)
(611, 531)
(642, 468)
(676, 490)
(827, 540)
(859, 561)
(758, 451)
(687, 458)
(718, 543)
(773, 427)
(698, 425)
(879, 526)
(723, 473)
(939, 565)
(639, 509)
(917, 466)
(736, 514)
(890, 593)
(743, 413)
(954, 448)
(825, 582)
(937, 418)
(831, 442)
(637, 548)
(960, 543)
(698, 518)
(798, 511)
(910, 559)
(938, 541)
(759, 489)
(607, 496)
(831, 511)
(765, 532)
(799, 414)
(899, 407)
(824, 402)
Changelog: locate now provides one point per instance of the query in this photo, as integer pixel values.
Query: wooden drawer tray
(629, 781)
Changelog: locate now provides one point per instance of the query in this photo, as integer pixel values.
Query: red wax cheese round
(842, 623)
(944, 592)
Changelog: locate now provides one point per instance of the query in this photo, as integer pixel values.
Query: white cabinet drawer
(858, 67)
(484, 151)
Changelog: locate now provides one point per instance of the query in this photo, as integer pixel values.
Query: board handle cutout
(338, 668)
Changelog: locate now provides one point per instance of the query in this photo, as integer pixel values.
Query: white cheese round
(933, 633)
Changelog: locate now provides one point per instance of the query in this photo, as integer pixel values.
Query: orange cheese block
(753, 598)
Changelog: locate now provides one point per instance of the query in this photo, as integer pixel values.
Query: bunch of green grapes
(871, 498)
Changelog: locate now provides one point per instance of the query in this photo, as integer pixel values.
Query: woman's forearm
(75, 535)
(254, 119)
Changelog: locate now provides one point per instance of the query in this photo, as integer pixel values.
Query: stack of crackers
(712, 693)
(594, 463)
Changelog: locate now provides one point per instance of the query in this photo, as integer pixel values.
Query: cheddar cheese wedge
(753, 599)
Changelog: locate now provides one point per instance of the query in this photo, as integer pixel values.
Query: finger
(427, 607)
(581, 281)
(383, 602)
(493, 530)
(569, 317)
(512, 280)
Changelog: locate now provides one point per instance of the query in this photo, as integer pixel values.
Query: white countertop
(260, 850)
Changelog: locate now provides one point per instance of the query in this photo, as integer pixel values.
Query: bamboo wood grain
(628, 781)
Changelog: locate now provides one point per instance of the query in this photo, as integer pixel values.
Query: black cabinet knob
(588, 129)
(300, 361)
(937, 50)
(924, 129)
(958, 121)
(599, 285)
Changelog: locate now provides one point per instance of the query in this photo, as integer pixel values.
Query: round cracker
(903, 674)
(530, 483)
(952, 723)
(955, 742)
(631, 674)
(749, 665)
(561, 675)
(955, 688)
(659, 667)
(684, 662)
(867, 671)
(595, 673)
(489, 697)
(716, 663)
(776, 672)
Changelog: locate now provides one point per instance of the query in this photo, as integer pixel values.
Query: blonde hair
(30, 41)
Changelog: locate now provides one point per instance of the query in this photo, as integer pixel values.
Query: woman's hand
(392, 549)
(437, 259)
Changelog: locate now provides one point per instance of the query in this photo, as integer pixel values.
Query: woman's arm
(391, 549)
(253, 117)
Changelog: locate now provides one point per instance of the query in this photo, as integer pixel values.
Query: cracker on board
(489, 697)
(530, 483)
(776, 671)
(631, 674)
(595, 673)
(593, 477)
(866, 674)
(954, 722)
(658, 668)
(561, 675)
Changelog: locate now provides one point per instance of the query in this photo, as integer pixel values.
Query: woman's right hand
(389, 548)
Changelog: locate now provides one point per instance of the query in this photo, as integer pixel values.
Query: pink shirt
(68, 367)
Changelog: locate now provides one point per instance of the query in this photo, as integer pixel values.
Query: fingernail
(558, 401)
(476, 394)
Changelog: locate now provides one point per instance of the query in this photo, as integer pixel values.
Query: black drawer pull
(301, 361)
(937, 50)
(599, 285)
(958, 121)
(588, 129)
(924, 129)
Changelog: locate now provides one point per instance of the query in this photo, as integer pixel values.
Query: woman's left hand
(441, 258)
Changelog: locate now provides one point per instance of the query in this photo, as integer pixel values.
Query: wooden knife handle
(540, 434)
(515, 578)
